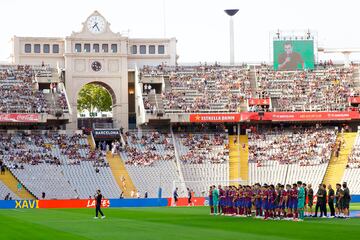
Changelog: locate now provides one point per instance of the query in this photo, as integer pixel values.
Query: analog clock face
(96, 66)
(96, 24)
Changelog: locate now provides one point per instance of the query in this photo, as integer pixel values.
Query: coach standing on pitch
(98, 197)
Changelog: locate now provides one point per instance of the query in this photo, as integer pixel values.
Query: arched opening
(95, 102)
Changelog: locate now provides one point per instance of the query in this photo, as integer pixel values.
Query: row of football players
(275, 202)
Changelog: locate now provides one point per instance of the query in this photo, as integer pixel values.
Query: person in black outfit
(175, 196)
(324, 209)
(190, 197)
(321, 201)
(337, 199)
(98, 197)
(2, 169)
(310, 198)
(331, 198)
(347, 199)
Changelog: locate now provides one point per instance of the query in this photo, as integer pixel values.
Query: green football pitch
(164, 223)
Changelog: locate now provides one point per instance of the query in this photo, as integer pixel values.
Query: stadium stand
(67, 167)
(203, 89)
(352, 172)
(150, 160)
(62, 166)
(20, 90)
(291, 154)
(317, 90)
(204, 159)
(4, 191)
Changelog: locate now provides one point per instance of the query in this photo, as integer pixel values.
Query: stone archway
(119, 111)
(104, 85)
(88, 121)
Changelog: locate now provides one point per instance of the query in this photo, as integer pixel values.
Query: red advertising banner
(259, 101)
(309, 116)
(90, 203)
(248, 116)
(274, 116)
(19, 117)
(215, 117)
(354, 99)
(182, 202)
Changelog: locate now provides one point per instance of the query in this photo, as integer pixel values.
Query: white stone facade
(95, 55)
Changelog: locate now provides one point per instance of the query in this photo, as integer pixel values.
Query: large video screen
(293, 55)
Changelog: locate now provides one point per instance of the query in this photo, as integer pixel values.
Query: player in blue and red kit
(221, 200)
(289, 202)
(294, 196)
(211, 202)
(272, 198)
(258, 200)
(265, 201)
(248, 198)
(283, 200)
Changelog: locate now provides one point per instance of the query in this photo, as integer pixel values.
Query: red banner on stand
(259, 101)
(354, 100)
(215, 117)
(274, 116)
(19, 117)
(309, 116)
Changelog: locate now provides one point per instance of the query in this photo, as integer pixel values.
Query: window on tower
(77, 47)
(142, 49)
(152, 49)
(27, 48)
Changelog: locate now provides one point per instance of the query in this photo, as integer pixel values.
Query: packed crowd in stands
(20, 149)
(203, 148)
(313, 90)
(217, 89)
(145, 149)
(18, 92)
(61, 101)
(354, 157)
(302, 146)
(162, 69)
(222, 89)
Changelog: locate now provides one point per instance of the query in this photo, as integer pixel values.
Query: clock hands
(96, 25)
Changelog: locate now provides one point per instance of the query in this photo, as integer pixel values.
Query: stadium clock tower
(97, 55)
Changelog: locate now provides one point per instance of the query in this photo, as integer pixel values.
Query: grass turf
(164, 223)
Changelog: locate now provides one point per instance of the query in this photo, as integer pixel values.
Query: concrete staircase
(118, 170)
(120, 174)
(253, 85)
(167, 83)
(336, 168)
(238, 159)
(155, 99)
(356, 77)
(11, 182)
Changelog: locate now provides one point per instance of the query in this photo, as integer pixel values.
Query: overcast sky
(200, 26)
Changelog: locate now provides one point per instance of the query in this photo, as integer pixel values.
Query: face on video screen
(288, 49)
(293, 55)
